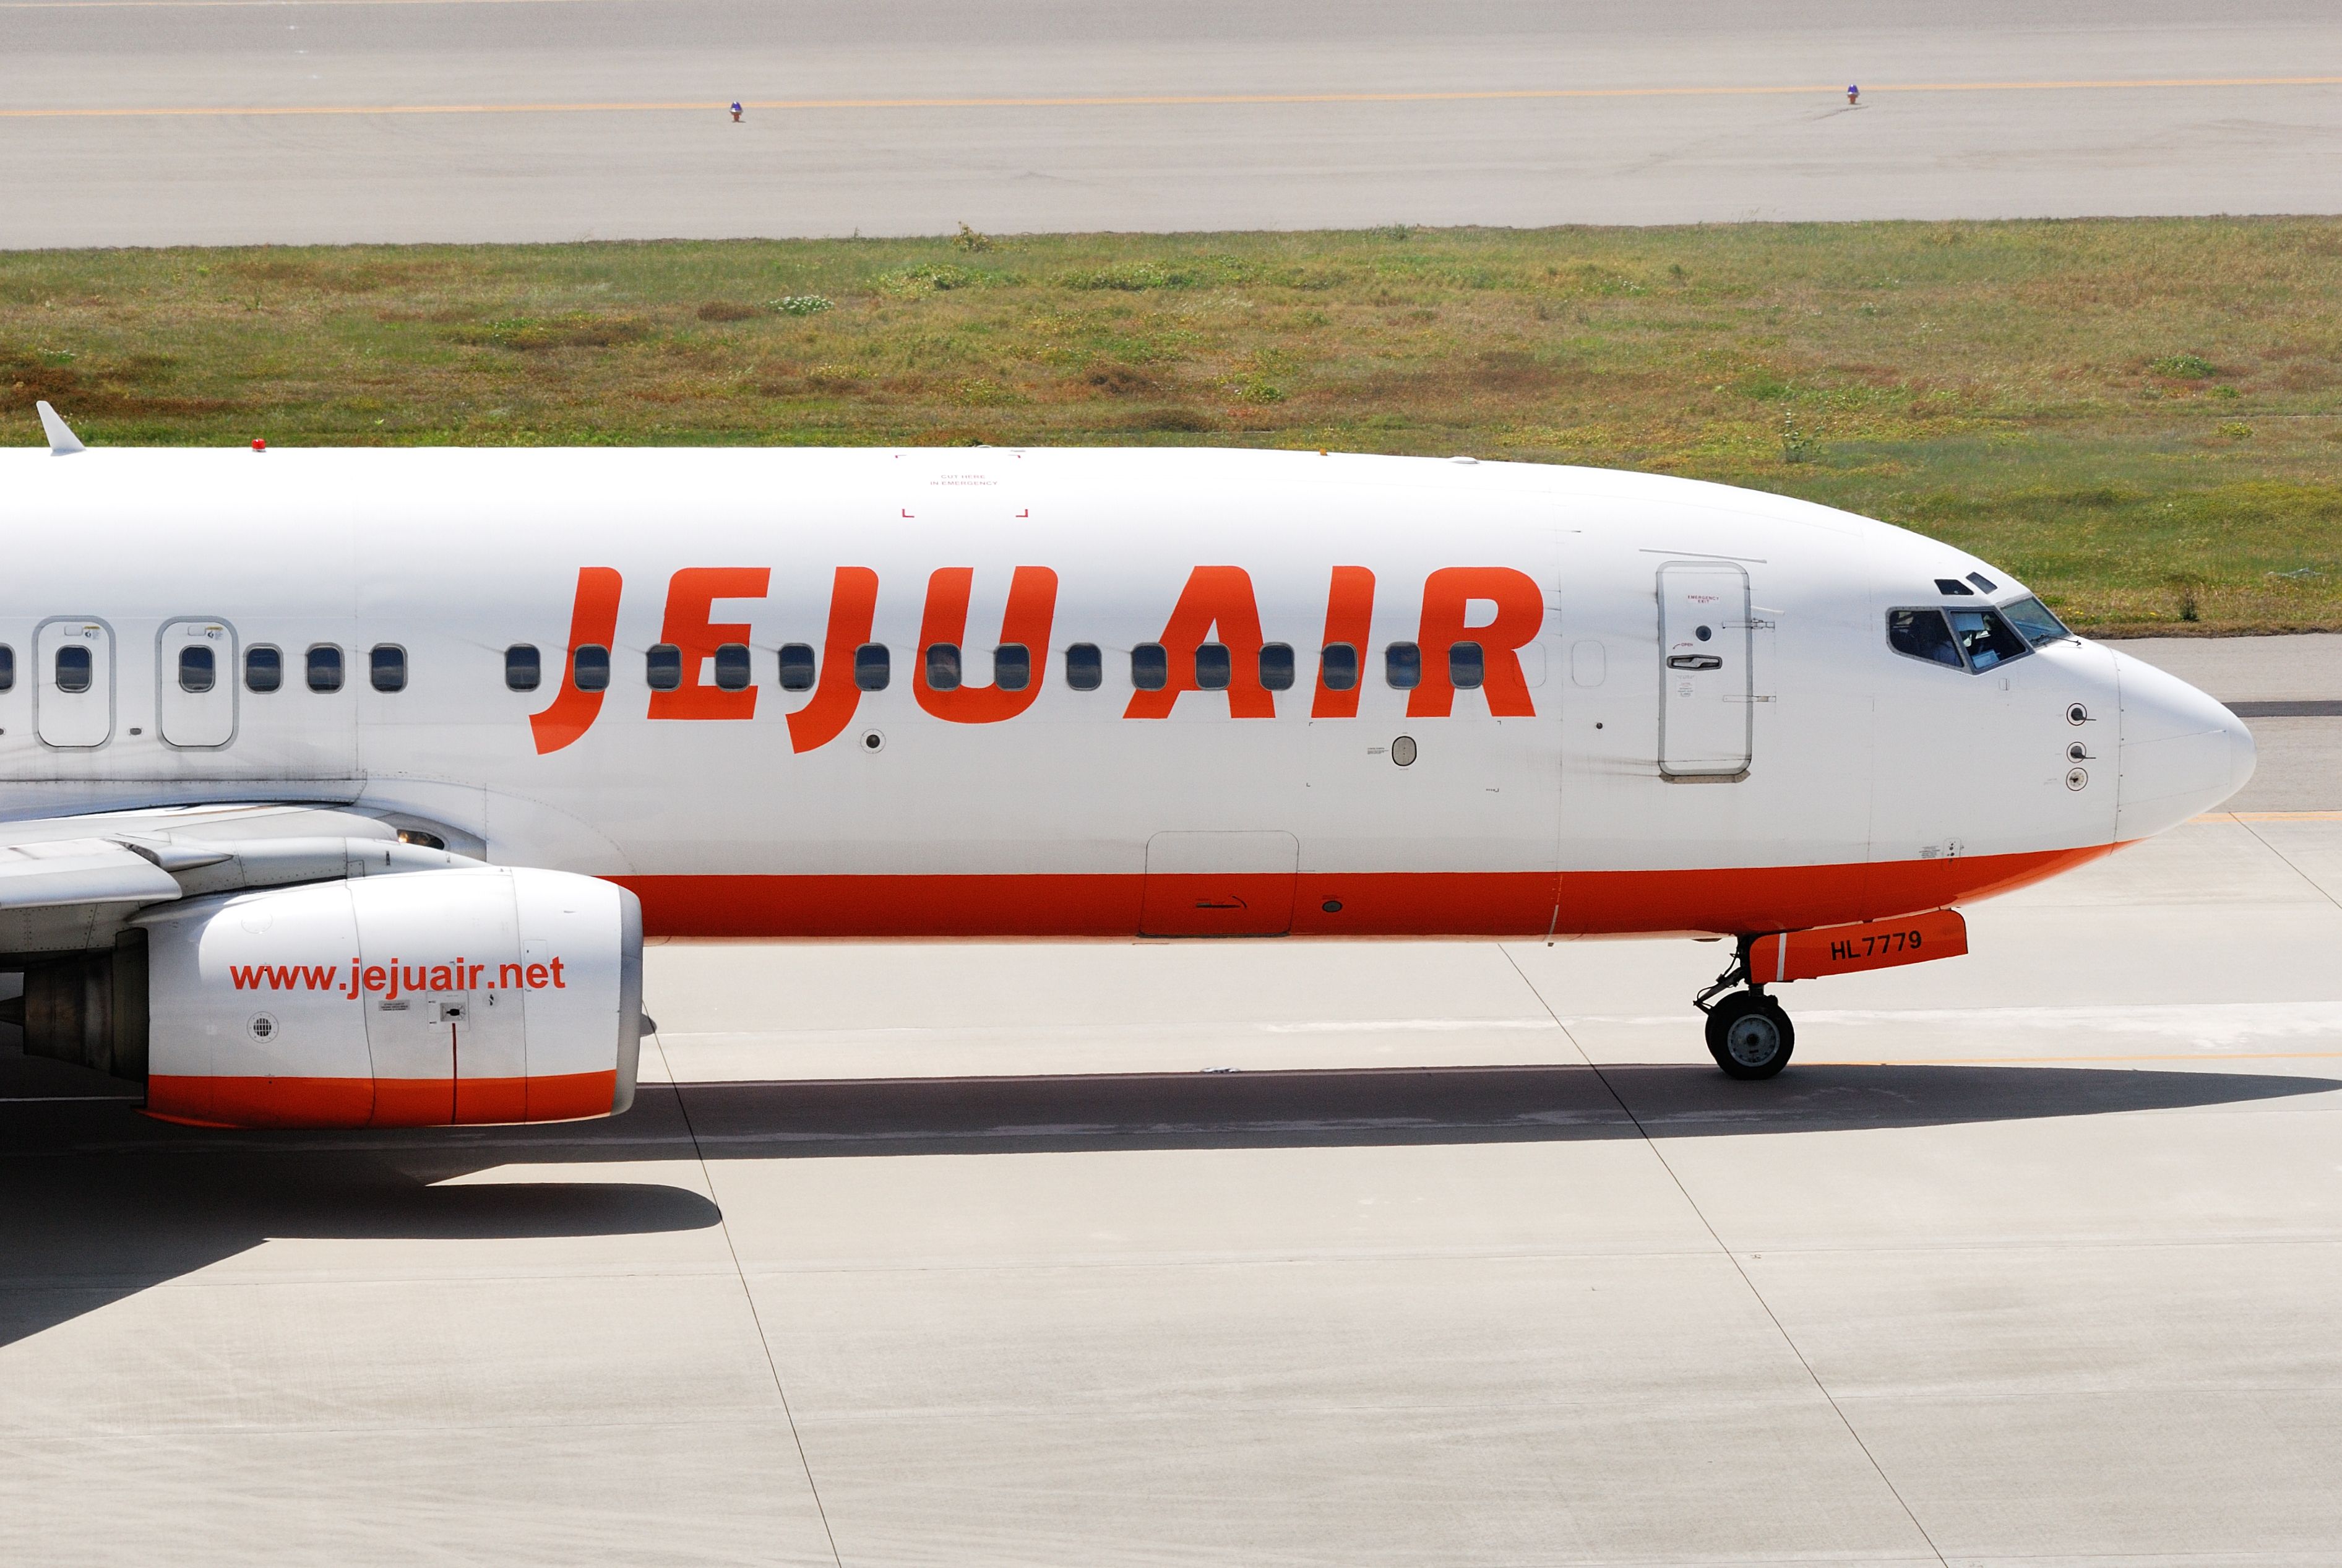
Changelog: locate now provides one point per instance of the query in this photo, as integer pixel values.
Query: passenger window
(73, 668)
(871, 666)
(387, 667)
(1012, 667)
(1403, 667)
(1084, 670)
(1150, 667)
(589, 667)
(7, 668)
(1986, 639)
(943, 666)
(1277, 667)
(796, 666)
(732, 667)
(199, 671)
(1337, 667)
(1922, 635)
(1213, 666)
(523, 669)
(1466, 666)
(2034, 622)
(324, 668)
(663, 667)
(264, 669)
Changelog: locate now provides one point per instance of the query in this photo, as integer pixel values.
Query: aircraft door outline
(1707, 667)
(72, 704)
(194, 708)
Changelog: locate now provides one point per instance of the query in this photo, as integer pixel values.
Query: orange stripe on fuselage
(1373, 904)
(245, 1102)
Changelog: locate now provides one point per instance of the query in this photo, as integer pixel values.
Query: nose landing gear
(1749, 1034)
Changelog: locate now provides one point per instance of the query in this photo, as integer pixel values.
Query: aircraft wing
(70, 884)
(70, 871)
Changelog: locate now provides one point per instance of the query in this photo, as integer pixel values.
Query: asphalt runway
(1268, 1253)
(150, 122)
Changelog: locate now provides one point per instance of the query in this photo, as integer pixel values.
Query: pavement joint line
(2221, 816)
(2315, 885)
(1739, 1267)
(1151, 100)
(748, 1295)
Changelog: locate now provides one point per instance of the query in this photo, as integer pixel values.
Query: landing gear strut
(1747, 1032)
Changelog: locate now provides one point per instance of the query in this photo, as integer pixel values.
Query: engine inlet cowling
(426, 999)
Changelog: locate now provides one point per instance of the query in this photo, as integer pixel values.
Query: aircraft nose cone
(2181, 752)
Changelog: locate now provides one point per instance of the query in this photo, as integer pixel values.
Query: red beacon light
(259, 445)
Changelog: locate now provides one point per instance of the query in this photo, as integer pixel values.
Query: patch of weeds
(579, 329)
(801, 304)
(1120, 380)
(986, 392)
(967, 239)
(2182, 368)
(1393, 232)
(1129, 278)
(1797, 446)
(1253, 388)
(2236, 430)
(929, 278)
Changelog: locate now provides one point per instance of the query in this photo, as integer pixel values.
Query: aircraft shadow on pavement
(97, 1203)
(1372, 1106)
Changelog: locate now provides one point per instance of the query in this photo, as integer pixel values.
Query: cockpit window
(1986, 639)
(1922, 635)
(2034, 622)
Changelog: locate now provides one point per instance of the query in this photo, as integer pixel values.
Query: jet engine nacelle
(419, 1000)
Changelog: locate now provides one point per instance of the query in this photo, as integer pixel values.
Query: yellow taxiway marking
(1131, 101)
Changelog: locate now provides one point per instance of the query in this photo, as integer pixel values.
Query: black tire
(1749, 1036)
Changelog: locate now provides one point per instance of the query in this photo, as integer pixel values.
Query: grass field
(2141, 418)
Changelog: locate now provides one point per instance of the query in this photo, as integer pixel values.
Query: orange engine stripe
(232, 1102)
(1372, 904)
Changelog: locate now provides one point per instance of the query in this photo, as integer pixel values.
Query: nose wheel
(1749, 1034)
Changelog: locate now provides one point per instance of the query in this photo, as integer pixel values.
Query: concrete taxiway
(149, 122)
(1263, 1253)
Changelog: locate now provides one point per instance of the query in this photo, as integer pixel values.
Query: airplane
(341, 787)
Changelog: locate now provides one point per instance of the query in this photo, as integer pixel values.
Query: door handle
(1696, 662)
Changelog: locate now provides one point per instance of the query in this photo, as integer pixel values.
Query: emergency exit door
(195, 699)
(1706, 674)
(73, 701)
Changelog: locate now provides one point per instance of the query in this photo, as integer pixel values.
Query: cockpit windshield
(2034, 622)
(1986, 638)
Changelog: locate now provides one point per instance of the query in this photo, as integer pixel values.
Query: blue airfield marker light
(1853, 96)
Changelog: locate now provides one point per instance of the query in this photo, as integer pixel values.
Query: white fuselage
(1809, 775)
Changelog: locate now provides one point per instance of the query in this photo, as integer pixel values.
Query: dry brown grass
(2143, 418)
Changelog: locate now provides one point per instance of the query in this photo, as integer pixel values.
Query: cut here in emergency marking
(394, 979)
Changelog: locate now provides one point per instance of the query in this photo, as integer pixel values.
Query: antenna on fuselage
(62, 442)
